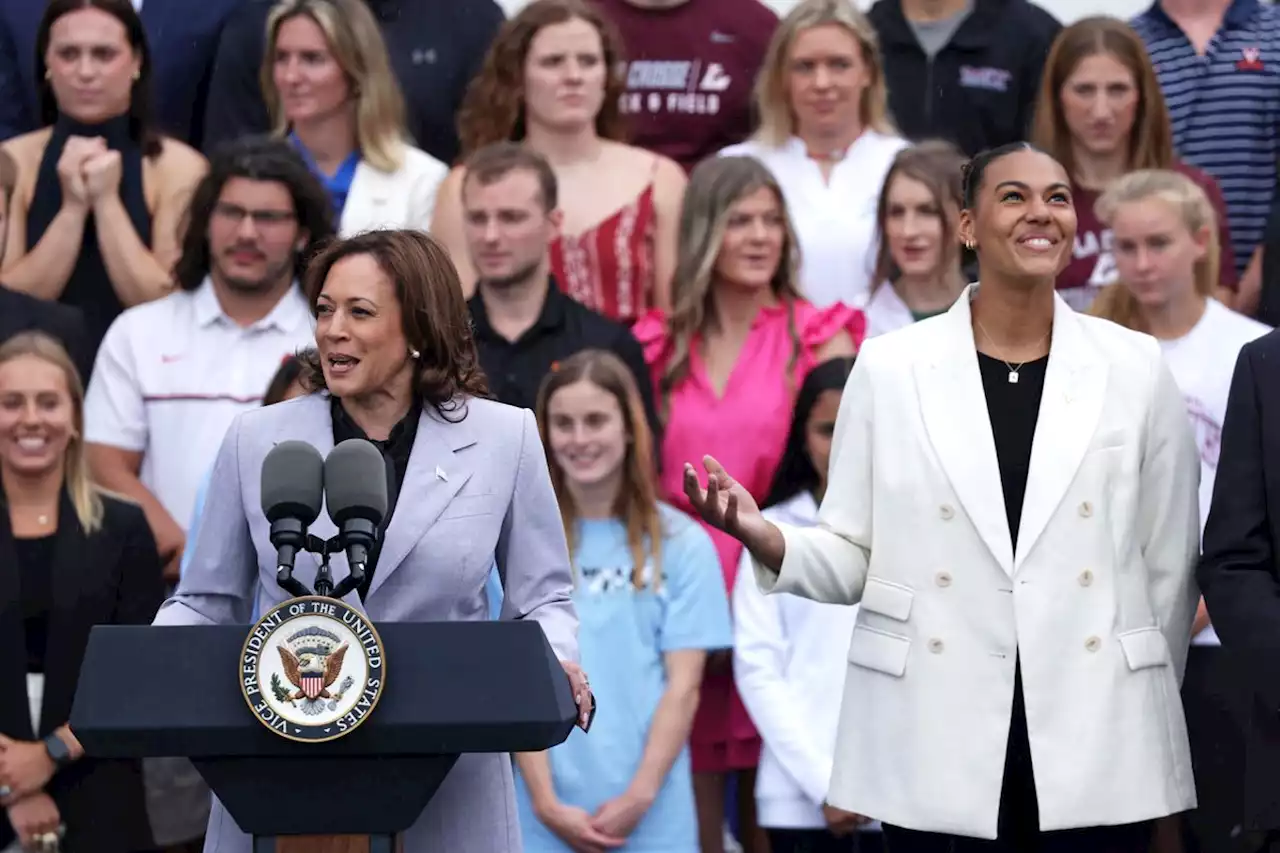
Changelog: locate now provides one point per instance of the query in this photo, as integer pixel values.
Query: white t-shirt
(1202, 362)
(172, 374)
(835, 221)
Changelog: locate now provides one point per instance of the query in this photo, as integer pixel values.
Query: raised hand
(726, 505)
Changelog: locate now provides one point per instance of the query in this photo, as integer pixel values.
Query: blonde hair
(356, 43)
(715, 185)
(777, 122)
(86, 498)
(637, 502)
(1116, 302)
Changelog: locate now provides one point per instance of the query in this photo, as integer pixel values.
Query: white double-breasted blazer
(1097, 603)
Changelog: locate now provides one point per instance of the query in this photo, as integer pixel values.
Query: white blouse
(835, 221)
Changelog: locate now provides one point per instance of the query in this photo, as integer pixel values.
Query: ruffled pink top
(746, 430)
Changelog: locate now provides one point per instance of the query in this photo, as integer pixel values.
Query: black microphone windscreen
(355, 479)
(293, 482)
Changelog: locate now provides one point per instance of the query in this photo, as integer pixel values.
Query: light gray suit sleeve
(532, 556)
(217, 588)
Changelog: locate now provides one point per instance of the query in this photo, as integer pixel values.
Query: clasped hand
(25, 768)
(88, 170)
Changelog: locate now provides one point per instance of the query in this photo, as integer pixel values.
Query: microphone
(355, 476)
(292, 493)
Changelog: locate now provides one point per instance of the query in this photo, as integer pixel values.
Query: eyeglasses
(234, 214)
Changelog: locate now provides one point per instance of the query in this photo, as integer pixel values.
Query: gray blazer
(476, 492)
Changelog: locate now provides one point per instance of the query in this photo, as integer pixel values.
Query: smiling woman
(1012, 500)
(395, 364)
(70, 557)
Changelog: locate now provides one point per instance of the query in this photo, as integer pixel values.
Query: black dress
(89, 287)
(1014, 408)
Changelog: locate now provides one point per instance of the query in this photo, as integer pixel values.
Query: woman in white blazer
(1013, 504)
(328, 85)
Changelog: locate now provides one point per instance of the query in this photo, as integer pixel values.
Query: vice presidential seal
(312, 669)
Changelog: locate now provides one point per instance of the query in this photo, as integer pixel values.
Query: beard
(270, 277)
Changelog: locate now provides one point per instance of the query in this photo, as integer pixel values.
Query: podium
(451, 688)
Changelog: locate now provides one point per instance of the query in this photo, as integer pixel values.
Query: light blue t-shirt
(622, 636)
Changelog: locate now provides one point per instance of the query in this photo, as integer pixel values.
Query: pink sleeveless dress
(746, 430)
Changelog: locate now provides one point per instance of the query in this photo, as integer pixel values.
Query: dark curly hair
(254, 158)
(493, 109)
(434, 314)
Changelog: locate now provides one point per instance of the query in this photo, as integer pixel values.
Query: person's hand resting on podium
(582, 695)
(726, 505)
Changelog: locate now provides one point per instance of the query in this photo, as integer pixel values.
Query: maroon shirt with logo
(1093, 266)
(689, 73)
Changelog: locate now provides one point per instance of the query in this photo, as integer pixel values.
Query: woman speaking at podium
(468, 483)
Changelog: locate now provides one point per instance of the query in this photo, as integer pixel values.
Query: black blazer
(109, 577)
(1239, 571)
(20, 312)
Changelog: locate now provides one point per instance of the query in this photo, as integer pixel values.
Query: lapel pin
(440, 475)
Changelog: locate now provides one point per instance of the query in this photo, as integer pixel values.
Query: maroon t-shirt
(1093, 266)
(689, 73)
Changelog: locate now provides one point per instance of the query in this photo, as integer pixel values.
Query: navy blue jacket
(181, 34)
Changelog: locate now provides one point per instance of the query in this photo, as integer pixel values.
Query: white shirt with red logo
(1202, 362)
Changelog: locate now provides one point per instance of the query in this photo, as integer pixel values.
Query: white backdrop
(1064, 10)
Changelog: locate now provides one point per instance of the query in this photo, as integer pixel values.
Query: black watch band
(58, 751)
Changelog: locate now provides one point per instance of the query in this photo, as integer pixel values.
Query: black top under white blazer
(1095, 603)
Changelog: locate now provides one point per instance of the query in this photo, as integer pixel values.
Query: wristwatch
(58, 751)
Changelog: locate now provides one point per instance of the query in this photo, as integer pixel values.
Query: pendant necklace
(1013, 369)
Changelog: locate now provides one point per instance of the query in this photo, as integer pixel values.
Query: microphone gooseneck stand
(324, 576)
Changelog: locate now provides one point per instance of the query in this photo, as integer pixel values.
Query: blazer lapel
(14, 719)
(435, 474)
(1075, 388)
(954, 408)
(368, 199)
(67, 630)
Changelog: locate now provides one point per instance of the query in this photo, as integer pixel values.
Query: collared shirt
(395, 452)
(1224, 107)
(515, 369)
(171, 376)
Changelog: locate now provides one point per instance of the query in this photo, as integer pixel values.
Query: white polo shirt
(172, 374)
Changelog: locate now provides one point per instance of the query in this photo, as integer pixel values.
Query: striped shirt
(1225, 107)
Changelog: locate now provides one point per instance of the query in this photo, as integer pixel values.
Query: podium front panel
(451, 687)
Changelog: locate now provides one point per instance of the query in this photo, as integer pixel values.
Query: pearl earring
(414, 354)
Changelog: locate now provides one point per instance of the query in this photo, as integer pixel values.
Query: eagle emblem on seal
(312, 661)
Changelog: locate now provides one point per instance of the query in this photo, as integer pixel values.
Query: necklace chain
(1013, 370)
